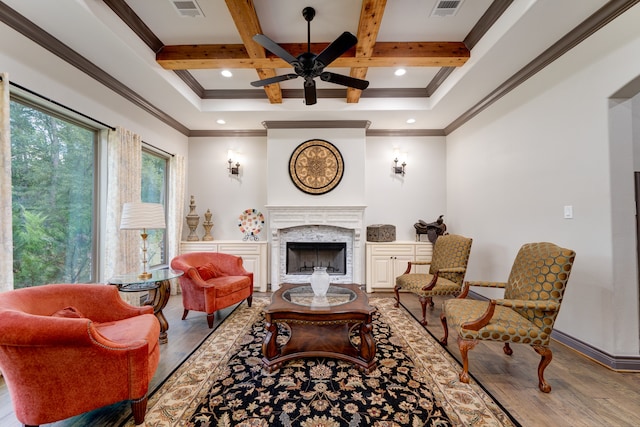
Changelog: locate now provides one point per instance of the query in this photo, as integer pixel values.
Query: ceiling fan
(309, 65)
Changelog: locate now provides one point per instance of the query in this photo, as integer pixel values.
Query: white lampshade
(138, 216)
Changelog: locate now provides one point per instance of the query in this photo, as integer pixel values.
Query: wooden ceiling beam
(370, 19)
(245, 17)
(384, 54)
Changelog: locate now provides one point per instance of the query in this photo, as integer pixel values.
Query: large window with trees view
(53, 172)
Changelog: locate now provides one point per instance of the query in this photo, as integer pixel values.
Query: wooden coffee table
(319, 326)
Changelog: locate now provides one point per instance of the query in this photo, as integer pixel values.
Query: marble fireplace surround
(324, 222)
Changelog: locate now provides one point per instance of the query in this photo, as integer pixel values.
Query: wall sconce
(399, 169)
(233, 170)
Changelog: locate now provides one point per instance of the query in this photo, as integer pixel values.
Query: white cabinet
(253, 254)
(386, 261)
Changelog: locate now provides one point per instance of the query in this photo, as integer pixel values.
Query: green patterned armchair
(526, 314)
(446, 272)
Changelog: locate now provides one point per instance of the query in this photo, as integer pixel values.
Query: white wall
(555, 141)
(282, 191)
(368, 179)
(227, 196)
(419, 194)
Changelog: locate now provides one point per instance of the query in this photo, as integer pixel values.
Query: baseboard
(616, 363)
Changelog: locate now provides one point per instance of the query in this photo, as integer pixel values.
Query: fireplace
(302, 257)
(328, 225)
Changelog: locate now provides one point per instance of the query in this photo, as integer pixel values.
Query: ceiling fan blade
(310, 96)
(344, 80)
(272, 80)
(339, 46)
(274, 48)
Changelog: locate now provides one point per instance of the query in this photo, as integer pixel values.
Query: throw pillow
(209, 271)
(70, 311)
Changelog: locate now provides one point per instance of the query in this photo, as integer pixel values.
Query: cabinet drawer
(187, 247)
(239, 248)
(390, 250)
(424, 252)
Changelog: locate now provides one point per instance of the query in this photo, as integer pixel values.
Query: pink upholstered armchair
(212, 281)
(66, 349)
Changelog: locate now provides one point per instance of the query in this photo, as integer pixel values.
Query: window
(53, 170)
(154, 190)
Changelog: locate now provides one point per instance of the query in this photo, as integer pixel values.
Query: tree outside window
(53, 164)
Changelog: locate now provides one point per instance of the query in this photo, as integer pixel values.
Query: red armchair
(212, 281)
(66, 349)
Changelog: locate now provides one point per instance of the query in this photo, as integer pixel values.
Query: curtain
(175, 210)
(6, 232)
(124, 165)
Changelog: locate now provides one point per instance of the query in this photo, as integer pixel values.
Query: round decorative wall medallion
(316, 166)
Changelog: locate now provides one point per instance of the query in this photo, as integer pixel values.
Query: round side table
(159, 288)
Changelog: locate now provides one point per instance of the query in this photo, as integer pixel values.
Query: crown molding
(227, 133)
(589, 26)
(405, 132)
(30, 30)
(599, 19)
(317, 124)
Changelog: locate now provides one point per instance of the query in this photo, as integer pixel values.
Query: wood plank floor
(584, 393)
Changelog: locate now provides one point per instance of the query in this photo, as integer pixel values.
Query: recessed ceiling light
(411, 121)
(226, 73)
(220, 122)
(400, 72)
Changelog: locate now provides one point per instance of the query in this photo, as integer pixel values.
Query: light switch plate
(568, 212)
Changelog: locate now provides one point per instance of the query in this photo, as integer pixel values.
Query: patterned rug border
(192, 378)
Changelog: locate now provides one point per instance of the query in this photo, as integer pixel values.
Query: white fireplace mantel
(282, 217)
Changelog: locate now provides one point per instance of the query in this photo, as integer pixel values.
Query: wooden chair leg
(430, 303)
(396, 290)
(423, 302)
(139, 409)
(507, 349)
(184, 314)
(445, 338)
(545, 359)
(249, 300)
(465, 346)
(210, 319)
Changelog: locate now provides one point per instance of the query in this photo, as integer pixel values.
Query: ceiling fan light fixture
(309, 65)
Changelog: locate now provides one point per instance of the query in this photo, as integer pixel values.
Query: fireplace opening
(302, 257)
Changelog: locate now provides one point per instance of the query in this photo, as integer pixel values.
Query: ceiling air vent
(446, 7)
(188, 8)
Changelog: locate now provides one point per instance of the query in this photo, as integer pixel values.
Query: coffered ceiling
(457, 59)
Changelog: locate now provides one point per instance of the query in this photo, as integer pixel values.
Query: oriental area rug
(415, 384)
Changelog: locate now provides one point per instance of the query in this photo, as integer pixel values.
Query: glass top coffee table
(320, 326)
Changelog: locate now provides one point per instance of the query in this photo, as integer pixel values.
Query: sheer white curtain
(124, 165)
(6, 233)
(175, 210)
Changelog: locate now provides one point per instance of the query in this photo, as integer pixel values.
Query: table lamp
(142, 216)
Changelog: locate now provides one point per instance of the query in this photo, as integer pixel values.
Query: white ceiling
(525, 30)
